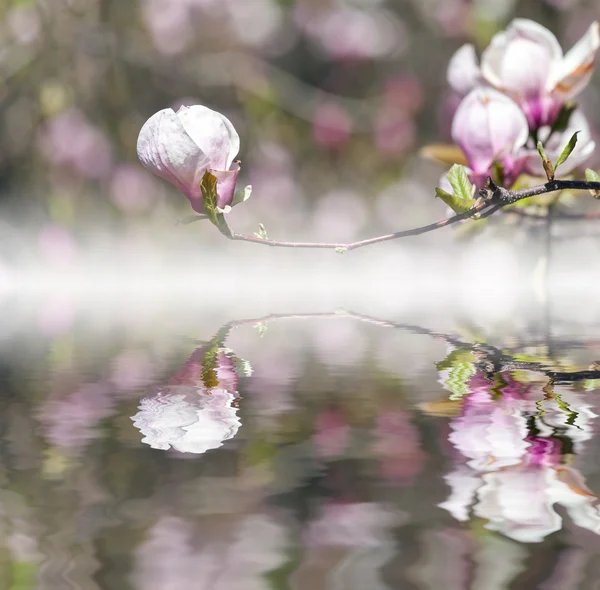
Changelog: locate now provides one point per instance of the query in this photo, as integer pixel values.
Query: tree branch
(492, 199)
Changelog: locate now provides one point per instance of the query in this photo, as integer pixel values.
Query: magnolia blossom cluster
(515, 96)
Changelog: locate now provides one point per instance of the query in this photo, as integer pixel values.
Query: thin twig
(493, 198)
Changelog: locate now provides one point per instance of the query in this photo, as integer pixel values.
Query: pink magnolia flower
(527, 63)
(180, 147)
(490, 127)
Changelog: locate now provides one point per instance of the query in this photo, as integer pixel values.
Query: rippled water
(325, 451)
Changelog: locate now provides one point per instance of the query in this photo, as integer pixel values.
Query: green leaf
(459, 180)
(592, 175)
(567, 151)
(210, 199)
(341, 250)
(262, 232)
(456, 204)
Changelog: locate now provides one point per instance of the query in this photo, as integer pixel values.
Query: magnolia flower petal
(463, 70)
(226, 181)
(213, 133)
(488, 125)
(516, 503)
(168, 151)
(520, 59)
(463, 483)
(574, 72)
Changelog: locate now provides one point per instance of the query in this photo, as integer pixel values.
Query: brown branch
(492, 199)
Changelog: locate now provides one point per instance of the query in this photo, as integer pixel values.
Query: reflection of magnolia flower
(180, 147)
(515, 473)
(195, 411)
(490, 433)
(519, 502)
(187, 419)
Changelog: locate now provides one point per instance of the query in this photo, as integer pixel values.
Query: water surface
(323, 451)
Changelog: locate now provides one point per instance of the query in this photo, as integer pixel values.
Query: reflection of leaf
(460, 367)
(460, 355)
(24, 575)
(591, 384)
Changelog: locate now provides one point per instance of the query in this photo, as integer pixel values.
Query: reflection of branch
(492, 199)
(490, 359)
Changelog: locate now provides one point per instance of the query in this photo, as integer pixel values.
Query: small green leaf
(457, 205)
(546, 162)
(567, 151)
(459, 180)
(341, 250)
(262, 232)
(592, 175)
(210, 199)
